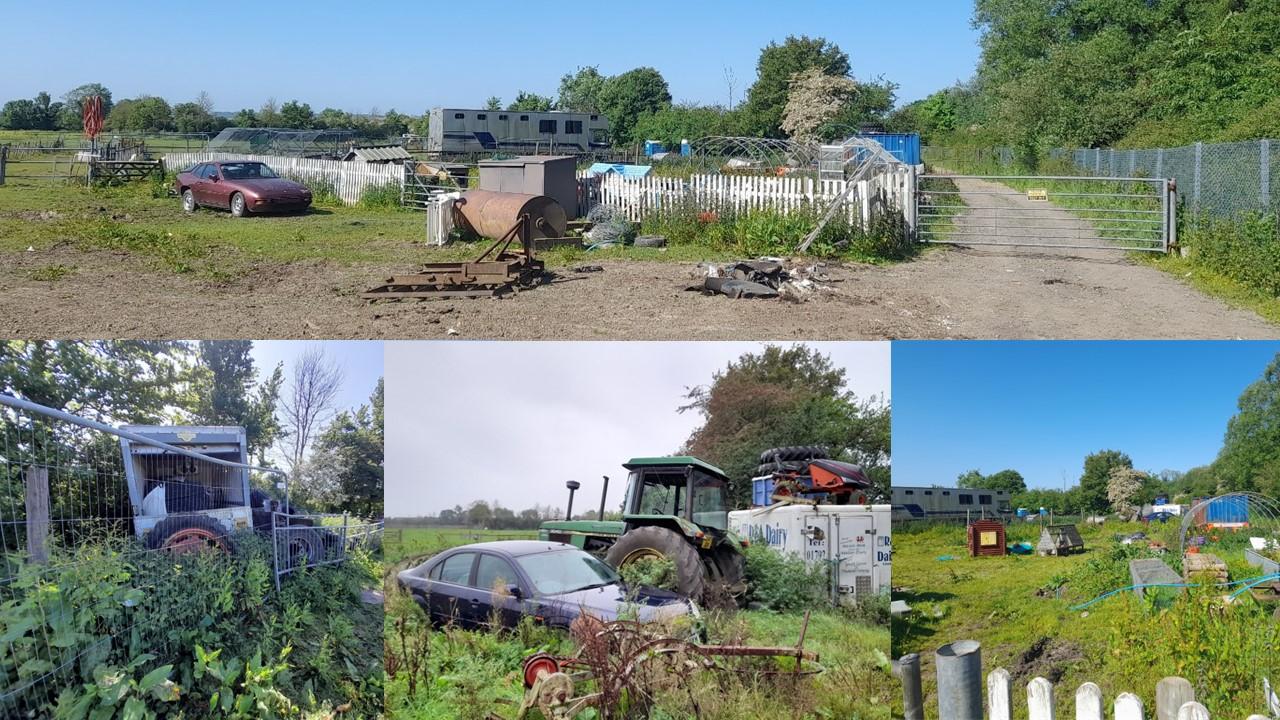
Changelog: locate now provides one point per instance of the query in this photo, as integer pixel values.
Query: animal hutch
(1060, 540)
(986, 538)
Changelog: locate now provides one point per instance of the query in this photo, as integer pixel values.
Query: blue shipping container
(1226, 510)
(652, 147)
(904, 146)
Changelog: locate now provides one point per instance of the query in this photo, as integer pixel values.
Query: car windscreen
(247, 171)
(564, 571)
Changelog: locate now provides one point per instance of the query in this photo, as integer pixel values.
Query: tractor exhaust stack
(603, 494)
(573, 486)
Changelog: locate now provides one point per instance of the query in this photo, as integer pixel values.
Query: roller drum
(491, 214)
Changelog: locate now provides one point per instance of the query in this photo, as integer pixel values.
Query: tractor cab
(684, 492)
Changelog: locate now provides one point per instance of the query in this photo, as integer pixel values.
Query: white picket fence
(1175, 700)
(639, 197)
(349, 180)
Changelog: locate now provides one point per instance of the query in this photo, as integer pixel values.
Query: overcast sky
(513, 421)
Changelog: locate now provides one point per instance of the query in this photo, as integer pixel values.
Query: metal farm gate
(1125, 214)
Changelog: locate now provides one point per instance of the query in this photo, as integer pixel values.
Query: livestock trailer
(854, 541)
(178, 499)
(458, 131)
(943, 503)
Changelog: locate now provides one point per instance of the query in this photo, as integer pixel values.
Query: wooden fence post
(4, 158)
(999, 695)
(38, 514)
(1040, 699)
(1193, 711)
(1171, 694)
(1089, 702)
(1128, 707)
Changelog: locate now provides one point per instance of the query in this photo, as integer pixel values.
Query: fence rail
(349, 180)
(960, 693)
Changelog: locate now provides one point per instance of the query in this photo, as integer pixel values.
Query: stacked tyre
(793, 458)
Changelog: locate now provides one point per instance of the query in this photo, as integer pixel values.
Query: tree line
(212, 382)
(804, 88)
(1248, 461)
(1098, 73)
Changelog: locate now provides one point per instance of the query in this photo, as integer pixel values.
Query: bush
(782, 582)
(1246, 250)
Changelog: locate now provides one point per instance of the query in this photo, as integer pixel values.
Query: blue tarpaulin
(619, 168)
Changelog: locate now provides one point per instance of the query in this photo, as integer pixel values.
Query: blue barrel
(762, 491)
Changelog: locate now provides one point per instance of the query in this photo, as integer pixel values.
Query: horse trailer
(942, 503)
(454, 131)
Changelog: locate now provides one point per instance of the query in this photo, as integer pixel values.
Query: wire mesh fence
(1217, 179)
(108, 574)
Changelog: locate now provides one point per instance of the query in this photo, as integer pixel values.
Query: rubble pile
(763, 278)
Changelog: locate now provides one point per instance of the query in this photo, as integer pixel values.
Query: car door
(494, 581)
(198, 184)
(448, 592)
(218, 188)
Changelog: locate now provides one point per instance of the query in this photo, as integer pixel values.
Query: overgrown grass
(1019, 608)
(447, 673)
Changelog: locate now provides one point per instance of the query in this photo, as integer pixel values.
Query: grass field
(1020, 609)
(465, 674)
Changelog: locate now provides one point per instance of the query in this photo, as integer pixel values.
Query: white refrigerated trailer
(853, 541)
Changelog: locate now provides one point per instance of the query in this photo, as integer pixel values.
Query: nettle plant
(116, 693)
(242, 689)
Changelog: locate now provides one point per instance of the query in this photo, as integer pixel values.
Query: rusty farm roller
(504, 217)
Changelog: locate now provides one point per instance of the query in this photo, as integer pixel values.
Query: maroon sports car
(241, 186)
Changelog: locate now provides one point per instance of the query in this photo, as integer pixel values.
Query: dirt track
(978, 292)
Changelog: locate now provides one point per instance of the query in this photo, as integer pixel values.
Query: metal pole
(603, 494)
(1264, 162)
(573, 486)
(4, 157)
(908, 667)
(1195, 187)
(959, 667)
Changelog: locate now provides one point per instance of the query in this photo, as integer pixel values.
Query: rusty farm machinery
(502, 216)
(634, 661)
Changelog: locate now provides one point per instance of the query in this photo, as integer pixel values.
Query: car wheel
(188, 201)
(238, 208)
(660, 542)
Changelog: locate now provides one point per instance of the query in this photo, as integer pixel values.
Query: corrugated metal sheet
(630, 171)
(380, 153)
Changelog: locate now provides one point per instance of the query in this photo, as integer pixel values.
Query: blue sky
(361, 363)
(412, 56)
(1040, 407)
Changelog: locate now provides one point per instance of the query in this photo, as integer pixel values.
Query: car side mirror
(514, 591)
(213, 179)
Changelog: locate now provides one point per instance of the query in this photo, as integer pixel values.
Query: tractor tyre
(653, 541)
(303, 547)
(188, 533)
(788, 466)
(794, 452)
(733, 573)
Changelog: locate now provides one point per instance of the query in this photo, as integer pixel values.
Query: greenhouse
(276, 141)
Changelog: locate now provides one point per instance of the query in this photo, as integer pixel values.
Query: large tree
(1098, 467)
(227, 392)
(777, 65)
(71, 117)
(779, 397)
(1250, 455)
(530, 102)
(345, 471)
(580, 91)
(1010, 481)
(624, 98)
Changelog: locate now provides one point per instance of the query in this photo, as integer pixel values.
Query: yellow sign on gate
(1038, 194)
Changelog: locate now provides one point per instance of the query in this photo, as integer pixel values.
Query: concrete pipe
(959, 667)
(491, 214)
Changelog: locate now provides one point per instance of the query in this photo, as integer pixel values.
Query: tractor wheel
(188, 533)
(660, 542)
(795, 466)
(795, 452)
(303, 547)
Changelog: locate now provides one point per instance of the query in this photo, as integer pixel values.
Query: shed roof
(379, 153)
(622, 169)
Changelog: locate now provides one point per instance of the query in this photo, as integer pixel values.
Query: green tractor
(676, 508)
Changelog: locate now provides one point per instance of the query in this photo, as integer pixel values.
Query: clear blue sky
(412, 56)
(1040, 407)
(360, 360)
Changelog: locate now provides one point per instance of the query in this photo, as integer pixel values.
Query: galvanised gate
(1124, 214)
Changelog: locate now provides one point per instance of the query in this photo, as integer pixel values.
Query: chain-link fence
(118, 553)
(1221, 179)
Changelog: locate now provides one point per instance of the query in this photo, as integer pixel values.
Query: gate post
(4, 157)
(37, 506)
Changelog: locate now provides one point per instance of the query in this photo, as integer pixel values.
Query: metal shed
(378, 154)
(550, 175)
(1059, 540)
